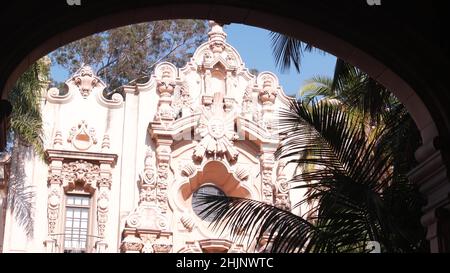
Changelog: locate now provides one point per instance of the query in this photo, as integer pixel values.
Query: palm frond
(252, 221)
(288, 51)
(351, 179)
(315, 88)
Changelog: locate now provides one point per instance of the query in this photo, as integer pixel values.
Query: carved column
(267, 164)
(267, 96)
(103, 192)
(163, 152)
(55, 181)
(166, 86)
(432, 177)
(247, 103)
(147, 195)
(282, 200)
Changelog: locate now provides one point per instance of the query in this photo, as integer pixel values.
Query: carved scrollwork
(147, 216)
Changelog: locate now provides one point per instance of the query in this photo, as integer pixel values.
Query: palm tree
(361, 142)
(25, 134)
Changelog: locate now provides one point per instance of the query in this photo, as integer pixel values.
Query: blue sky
(255, 48)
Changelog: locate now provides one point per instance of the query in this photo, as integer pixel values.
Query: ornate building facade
(122, 173)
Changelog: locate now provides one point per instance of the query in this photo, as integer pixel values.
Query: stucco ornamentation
(81, 171)
(166, 85)
(187, 221)
(282, 197)
(85, 80)
(148, 180)
(216, 38)
(102, 210)
(132, 243)
(247, 101)
(58, 140)
(217, 136)
(242, 173)
(54, 199)
(82, 137)
(267, 93)
(188, 169)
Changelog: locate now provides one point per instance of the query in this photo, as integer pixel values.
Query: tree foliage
(127, 53)
(26, 136)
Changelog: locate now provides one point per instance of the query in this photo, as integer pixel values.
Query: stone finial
(217, 37)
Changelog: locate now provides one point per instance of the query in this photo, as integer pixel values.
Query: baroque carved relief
(58, 140)
(166, 84)
(183, 101)
(102, 210)
(148, 180)
(242, 173)
(282, 197)
(188, 169)
(131, 243)
(81, 171)
(216, 38)
(267, 93)
(187, 221)
(217, 134)
(268, 187)
(85, 79)
(82, 137)
(54, 200)
(247, 101)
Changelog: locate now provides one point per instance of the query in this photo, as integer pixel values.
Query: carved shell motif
(242, 173)
(187, 221)
(188, 169)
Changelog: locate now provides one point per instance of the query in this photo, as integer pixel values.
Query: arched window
(197, 203)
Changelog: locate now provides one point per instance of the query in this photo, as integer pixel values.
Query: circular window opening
(197, 203)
